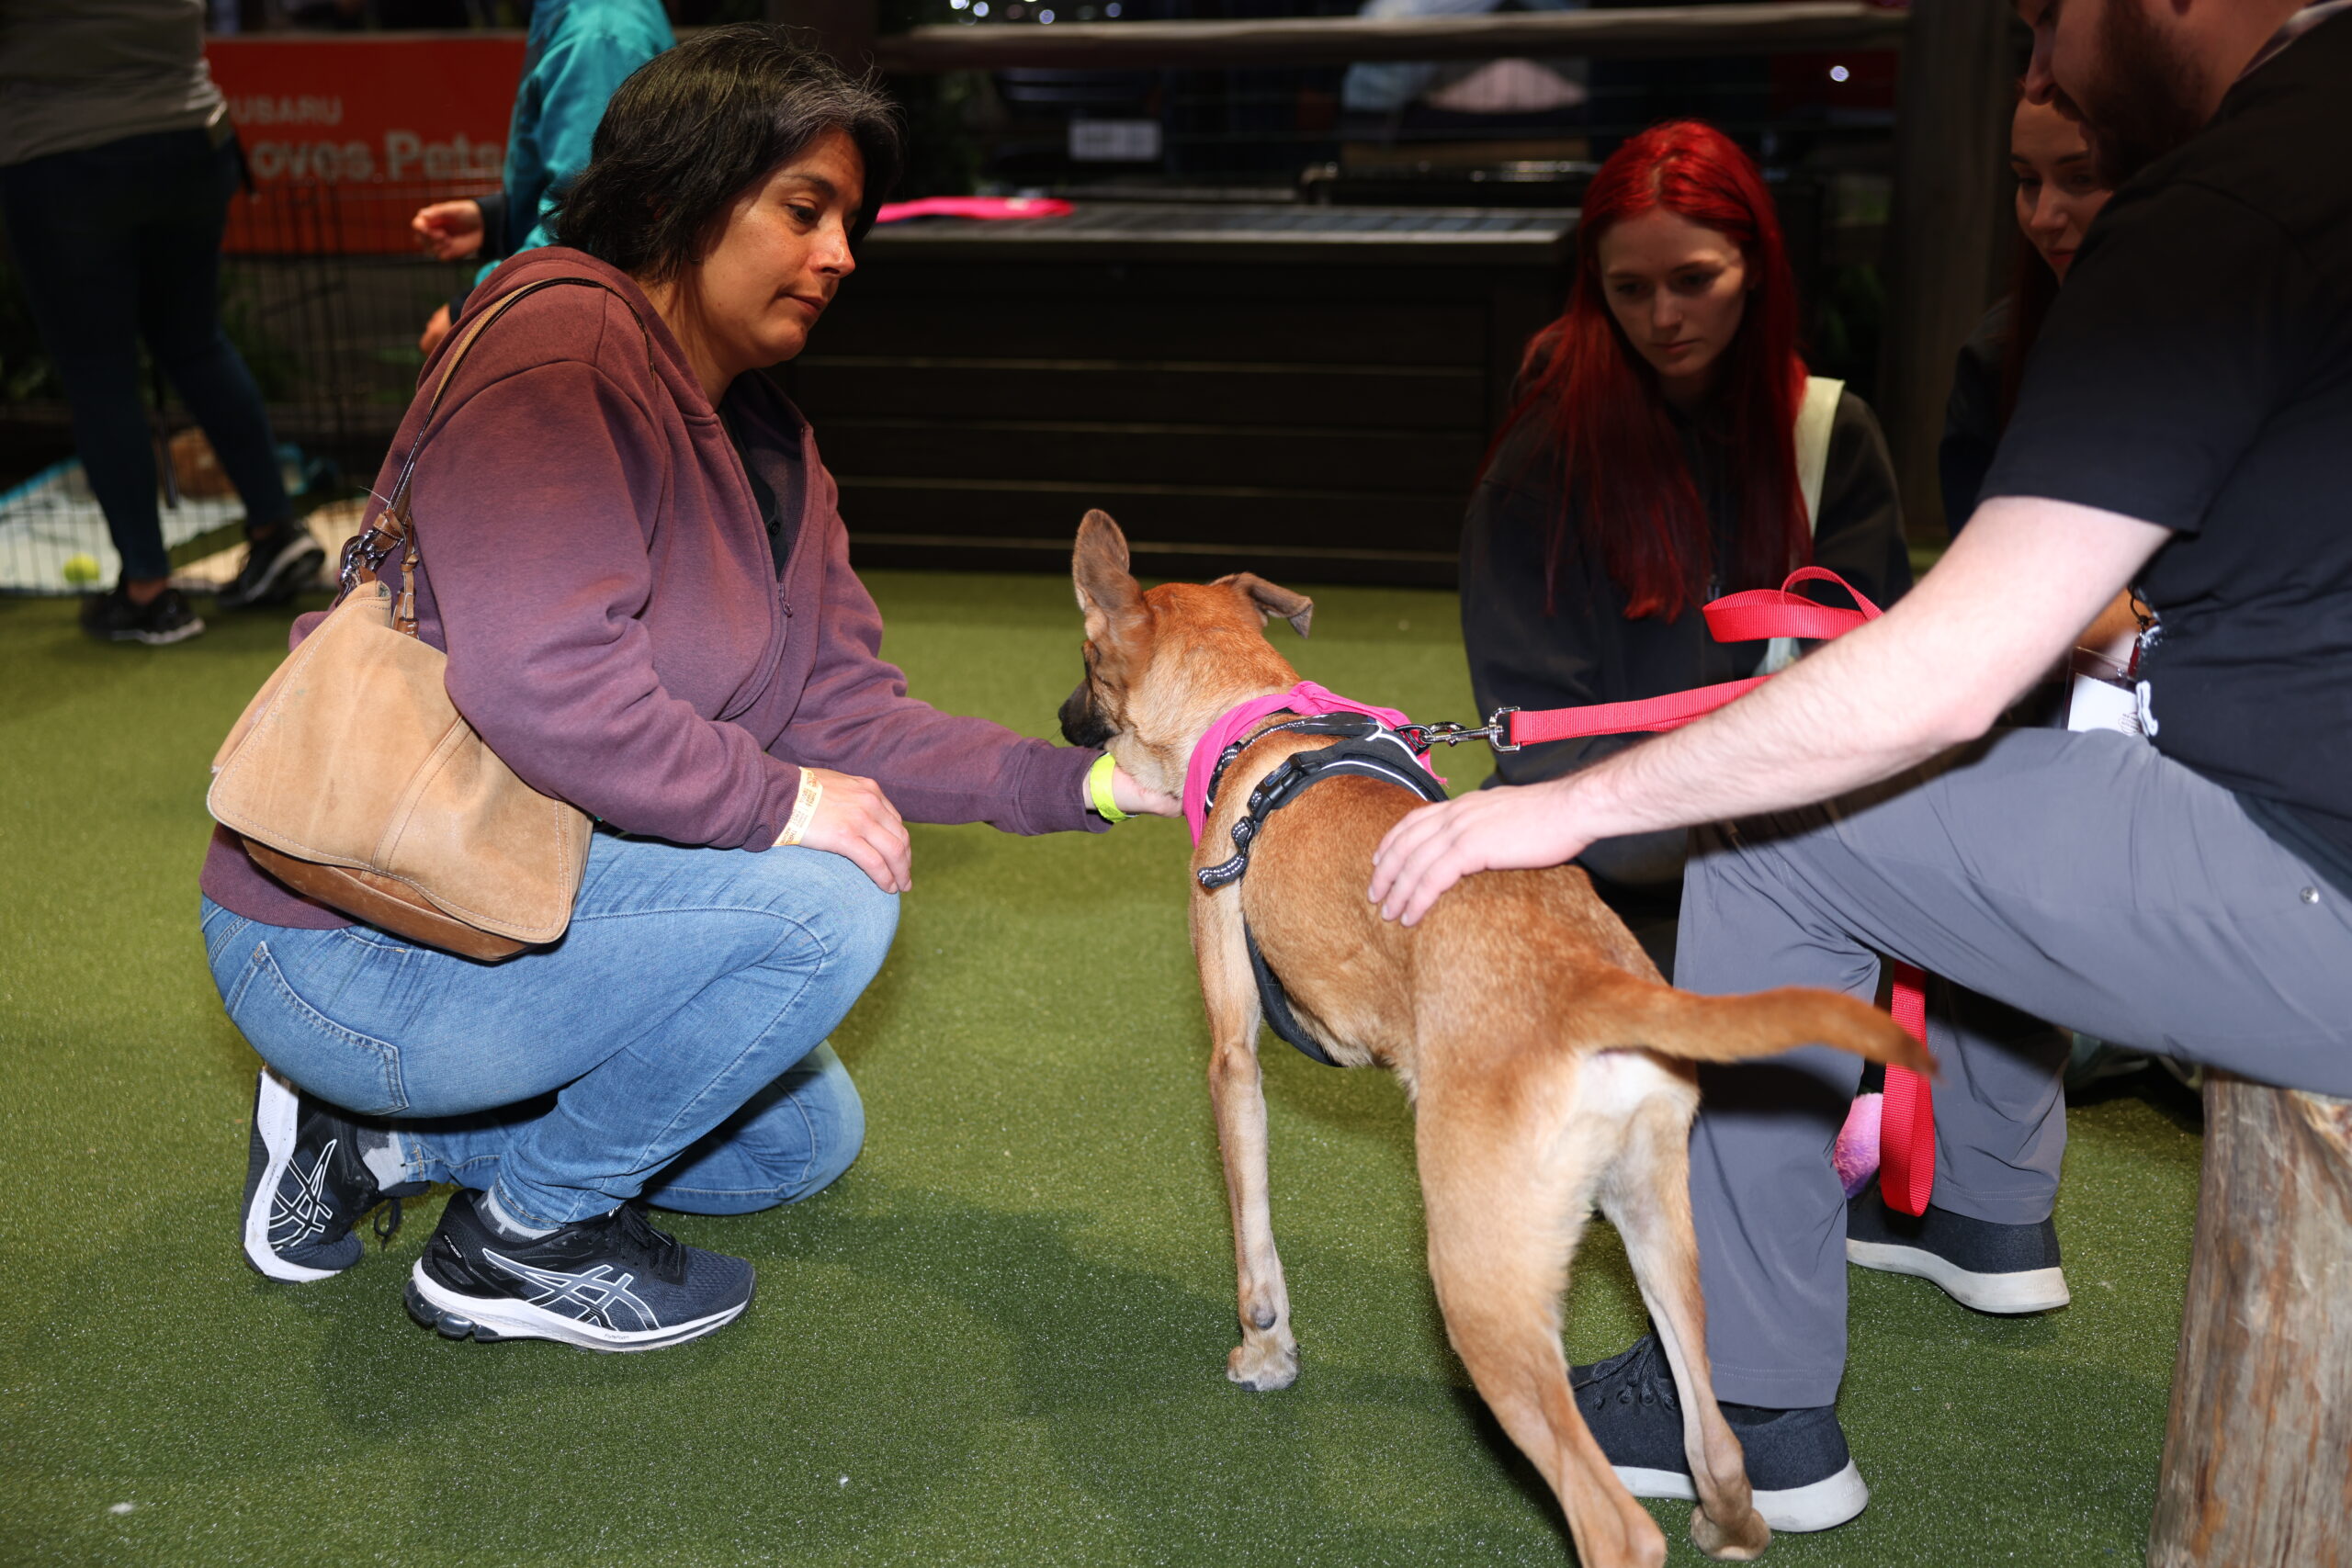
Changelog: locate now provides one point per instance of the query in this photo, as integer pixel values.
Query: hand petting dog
(1513, 828)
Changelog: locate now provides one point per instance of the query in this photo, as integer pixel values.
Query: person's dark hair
(696, 126)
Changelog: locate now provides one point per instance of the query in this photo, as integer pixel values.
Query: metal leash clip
(1495, 732)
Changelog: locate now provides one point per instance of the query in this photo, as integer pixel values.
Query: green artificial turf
(1001, 1338)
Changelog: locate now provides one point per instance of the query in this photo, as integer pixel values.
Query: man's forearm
(1936, 671)
(1789, 743)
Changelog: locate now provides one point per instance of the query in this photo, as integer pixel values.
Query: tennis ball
(81, 570)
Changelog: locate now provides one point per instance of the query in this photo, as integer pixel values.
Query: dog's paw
(1263, 1365)
(1744, 1542)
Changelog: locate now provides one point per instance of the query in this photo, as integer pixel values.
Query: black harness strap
(1365, 749)
(1275, 1003)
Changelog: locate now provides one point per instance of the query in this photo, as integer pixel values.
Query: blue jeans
(670, 1046)
(120, 243)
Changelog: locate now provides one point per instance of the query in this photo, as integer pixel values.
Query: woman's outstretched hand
(856, 821)
(1136, 799)
(1488, 830)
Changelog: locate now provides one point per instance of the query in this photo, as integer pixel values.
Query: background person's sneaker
(1991, 1268)
(609, 1284)
(1798, 1465)
(112, 617)
(307, 1186)
(279, 564)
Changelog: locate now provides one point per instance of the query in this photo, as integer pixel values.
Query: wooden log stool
(2257, 1466)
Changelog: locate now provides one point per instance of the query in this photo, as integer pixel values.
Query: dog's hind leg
(1647, 1196)
(1267, 1356)
(1507, 1194)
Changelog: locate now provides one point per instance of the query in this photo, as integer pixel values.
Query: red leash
(1907, 1139)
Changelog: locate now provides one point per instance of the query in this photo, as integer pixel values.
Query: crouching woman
(632, 557)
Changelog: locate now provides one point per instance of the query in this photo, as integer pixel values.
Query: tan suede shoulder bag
(353, 779)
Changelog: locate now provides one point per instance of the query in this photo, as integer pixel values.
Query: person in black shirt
(1723, 459)
(2231, 430)
(2181, 428)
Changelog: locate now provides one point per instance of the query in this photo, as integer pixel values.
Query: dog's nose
(1081, 726)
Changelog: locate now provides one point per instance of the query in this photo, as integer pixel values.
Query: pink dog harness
(1377, 743)
(1307, 699)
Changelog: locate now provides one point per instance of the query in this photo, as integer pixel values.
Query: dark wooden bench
(1299, 391)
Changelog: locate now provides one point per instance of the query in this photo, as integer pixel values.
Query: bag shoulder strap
(392, 525)
(465, 346)
(1816, 416)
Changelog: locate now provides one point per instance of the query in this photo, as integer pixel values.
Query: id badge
(2095, 702)
(2103, 694)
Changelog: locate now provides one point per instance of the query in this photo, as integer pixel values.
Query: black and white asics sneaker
(307, 1186)
(610, 1283)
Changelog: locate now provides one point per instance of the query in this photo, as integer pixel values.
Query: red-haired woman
(1668, 447)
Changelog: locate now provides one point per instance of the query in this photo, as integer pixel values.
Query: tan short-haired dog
(1548, 1063)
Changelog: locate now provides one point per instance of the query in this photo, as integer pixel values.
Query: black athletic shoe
(112, 617)
(1802, 1475)
(307, 1187)
(1993, 1268)
(610, 1283)
(279, 565)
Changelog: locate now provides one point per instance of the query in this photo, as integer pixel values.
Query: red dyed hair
(1625, 475)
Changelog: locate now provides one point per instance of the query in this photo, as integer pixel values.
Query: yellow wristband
(804, 808)
(1098, 790)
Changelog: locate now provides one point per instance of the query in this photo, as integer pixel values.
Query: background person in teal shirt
(578, 52)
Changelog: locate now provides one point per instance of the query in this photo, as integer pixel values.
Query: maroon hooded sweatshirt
(597, 570)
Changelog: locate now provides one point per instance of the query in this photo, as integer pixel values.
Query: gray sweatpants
(2081, 878)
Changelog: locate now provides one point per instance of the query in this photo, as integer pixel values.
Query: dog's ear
(1270, 599)
(1107, 593)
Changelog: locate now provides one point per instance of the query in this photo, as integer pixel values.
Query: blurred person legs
(121, 243)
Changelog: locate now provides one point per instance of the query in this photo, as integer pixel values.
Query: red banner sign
(347, 136)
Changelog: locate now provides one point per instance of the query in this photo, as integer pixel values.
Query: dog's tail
(1629, 1010)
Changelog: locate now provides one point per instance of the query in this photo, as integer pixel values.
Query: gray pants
(2081, 878)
